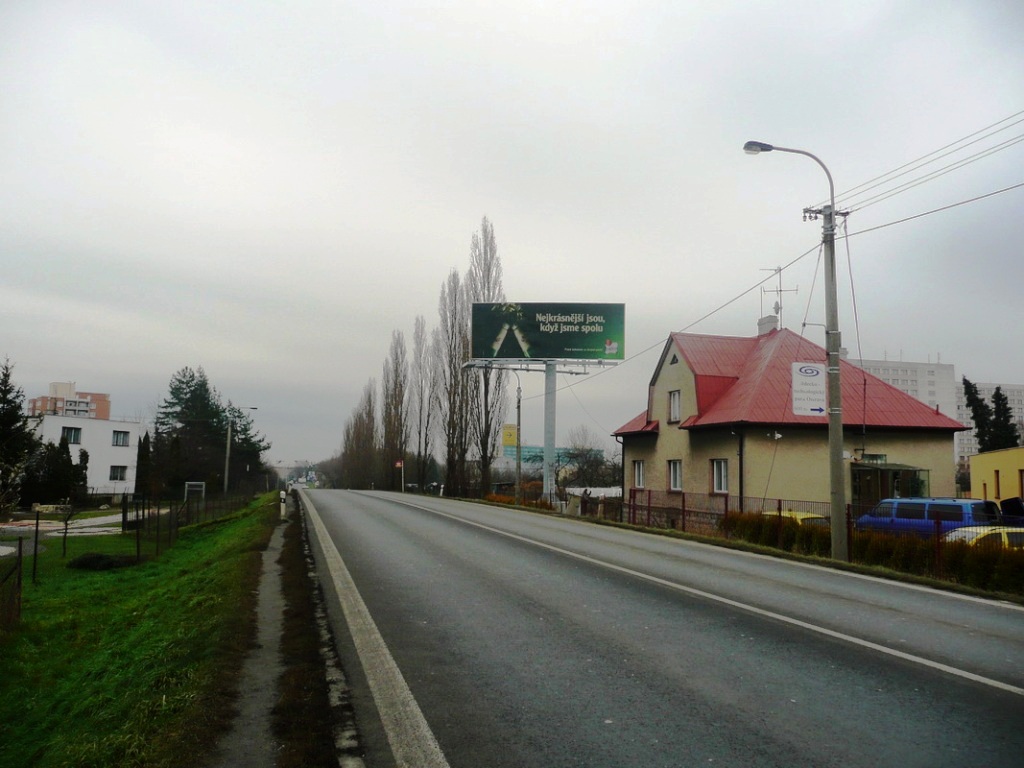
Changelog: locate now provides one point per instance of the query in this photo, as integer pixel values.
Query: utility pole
(837, 481)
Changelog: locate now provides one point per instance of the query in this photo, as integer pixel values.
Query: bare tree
(487, 393)
(452, 339)
(586, 459)
(394, 411)
(422, 389)
(359, 447)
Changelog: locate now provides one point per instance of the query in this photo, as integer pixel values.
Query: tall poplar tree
(422, 389)
(394, 411)
(453, 393)
(488, 390)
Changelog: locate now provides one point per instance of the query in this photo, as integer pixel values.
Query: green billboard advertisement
(549, 331)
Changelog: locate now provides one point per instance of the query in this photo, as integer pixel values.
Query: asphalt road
(525, 640)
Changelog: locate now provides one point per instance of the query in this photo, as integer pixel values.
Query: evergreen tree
(190, 439)
(18, 440)
(51, 477)
(143, 469)
(1003, 432)
(981, 412)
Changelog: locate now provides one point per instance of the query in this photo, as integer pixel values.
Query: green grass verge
(134, 666)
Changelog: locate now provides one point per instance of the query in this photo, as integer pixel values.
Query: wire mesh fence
(991, 559)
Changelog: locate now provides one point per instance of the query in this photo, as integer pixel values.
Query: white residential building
(112, 446)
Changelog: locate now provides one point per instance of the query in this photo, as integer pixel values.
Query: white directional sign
(809, 397)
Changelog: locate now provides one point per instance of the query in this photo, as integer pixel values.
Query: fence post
(938, 549)
(18, 580)
(648, 507)
(35, 550)
(778, 519)
(682, 510)
(849, 532)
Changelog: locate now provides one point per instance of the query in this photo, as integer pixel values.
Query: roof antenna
(778, 292)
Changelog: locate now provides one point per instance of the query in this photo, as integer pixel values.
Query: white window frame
(118, 473)
(719, 475)
(121, 438)
(675, 408)
(72, 432)
(675, 474)
(638, 473)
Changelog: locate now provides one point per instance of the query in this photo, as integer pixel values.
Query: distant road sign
(809, 398)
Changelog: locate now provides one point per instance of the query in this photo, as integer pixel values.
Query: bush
(97, 561)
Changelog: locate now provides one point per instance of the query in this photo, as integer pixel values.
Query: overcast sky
(268, 190)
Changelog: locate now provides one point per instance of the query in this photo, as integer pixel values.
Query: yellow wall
(1008, 463)
(793, 467)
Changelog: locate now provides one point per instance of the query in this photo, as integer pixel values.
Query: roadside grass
(135, 666)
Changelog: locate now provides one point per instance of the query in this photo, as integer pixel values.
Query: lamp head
(757, 147)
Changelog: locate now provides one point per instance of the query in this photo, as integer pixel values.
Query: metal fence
(10, 591)
(784, 524)
(148, 528)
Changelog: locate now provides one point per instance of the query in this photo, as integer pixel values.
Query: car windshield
(985, 512)
(961, 534)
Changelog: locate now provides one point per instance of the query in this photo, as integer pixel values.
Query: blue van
(918, 516)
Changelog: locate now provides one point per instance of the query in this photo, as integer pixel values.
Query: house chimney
(767, 324)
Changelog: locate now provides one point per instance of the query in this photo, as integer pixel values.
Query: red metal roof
(639, 425)
(749, 380)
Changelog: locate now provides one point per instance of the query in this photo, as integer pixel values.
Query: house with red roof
(721, 420)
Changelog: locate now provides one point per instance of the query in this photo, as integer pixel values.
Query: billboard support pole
(550, 385)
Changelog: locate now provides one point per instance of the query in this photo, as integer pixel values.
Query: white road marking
(412, 742)
(742, 606)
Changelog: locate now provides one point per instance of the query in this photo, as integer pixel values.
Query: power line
(938, 173)
(794, 261)
(939, 153)
(938, 210)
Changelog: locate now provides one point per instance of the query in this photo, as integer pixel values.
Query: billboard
(549, 331)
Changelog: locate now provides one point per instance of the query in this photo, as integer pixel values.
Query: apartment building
(967, 442)
(64, 400)
(938, 385)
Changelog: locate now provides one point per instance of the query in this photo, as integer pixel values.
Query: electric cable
(913, 165)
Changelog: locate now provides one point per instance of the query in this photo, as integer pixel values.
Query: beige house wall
(998, 475)
(793, 467)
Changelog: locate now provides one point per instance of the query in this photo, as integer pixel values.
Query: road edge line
(412, 742)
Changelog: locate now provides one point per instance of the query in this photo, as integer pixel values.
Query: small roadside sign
(809, 398)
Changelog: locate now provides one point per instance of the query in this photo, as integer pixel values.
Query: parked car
(922, 516)
(988, 536)
(1012, 511)
(807, 518)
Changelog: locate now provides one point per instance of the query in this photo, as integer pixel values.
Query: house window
(675, 475)
(673, 405)
(120, 438)
(118, 473)
(73, 435)
(720, 475)
(638, 474)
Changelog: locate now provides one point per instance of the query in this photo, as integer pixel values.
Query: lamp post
(227, 451)
(837, 494)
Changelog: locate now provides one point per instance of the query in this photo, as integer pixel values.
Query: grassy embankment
(135, 666)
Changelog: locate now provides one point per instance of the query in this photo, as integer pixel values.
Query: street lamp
(840, 545)
(227, 452)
